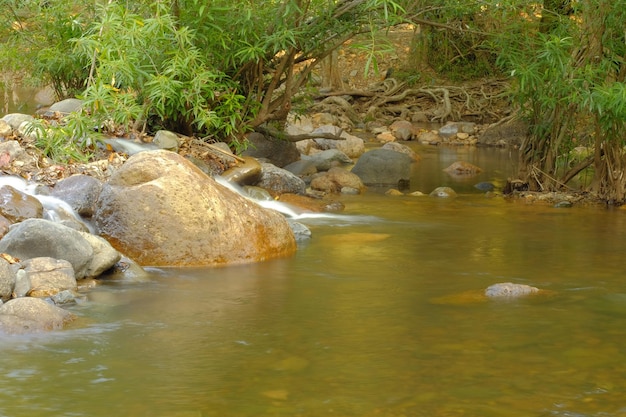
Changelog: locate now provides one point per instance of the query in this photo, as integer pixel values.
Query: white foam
(55, 209)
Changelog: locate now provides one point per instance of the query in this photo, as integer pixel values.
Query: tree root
(296, 138)
(440, 103)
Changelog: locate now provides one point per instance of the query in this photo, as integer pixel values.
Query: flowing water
(368, 319)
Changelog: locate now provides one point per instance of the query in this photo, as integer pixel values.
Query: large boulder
(35, 238)
(161, 210)
(31, 315)
(384, 167)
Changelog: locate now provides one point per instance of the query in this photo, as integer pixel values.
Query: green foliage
(71, 142)
(36, 39)
(214, 69)
(155, 74)
(570, 84)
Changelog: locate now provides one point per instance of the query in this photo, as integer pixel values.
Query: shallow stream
(363, 321)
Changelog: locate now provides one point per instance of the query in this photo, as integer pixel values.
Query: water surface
(363, 321)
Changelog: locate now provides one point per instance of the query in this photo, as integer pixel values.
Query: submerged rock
(500, 291)
(508, 289)
(462, 168)
(485, 186)
(443, 192)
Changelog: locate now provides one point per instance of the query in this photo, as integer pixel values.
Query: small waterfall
(54, 209)
(129, 147)
(293, 213)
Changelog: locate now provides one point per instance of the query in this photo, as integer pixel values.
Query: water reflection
(349, 326)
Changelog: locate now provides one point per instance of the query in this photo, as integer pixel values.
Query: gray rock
(49, 276)
(32, 315)
(164, 139)
(300, 231)
(16, 119)
(66, 106)
(303, 168)
(34, 238)
(508, 289)
(384, 167)
(104, 255)
(280, 181)
(65, 297)
(7, 280)
(17, 154)
(327, 159)
(80, 192)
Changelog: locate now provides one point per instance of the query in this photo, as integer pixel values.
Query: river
(363, 321)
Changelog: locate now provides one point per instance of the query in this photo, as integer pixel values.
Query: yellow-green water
(363, 321)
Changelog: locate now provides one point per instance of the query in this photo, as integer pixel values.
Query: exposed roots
(393, 100)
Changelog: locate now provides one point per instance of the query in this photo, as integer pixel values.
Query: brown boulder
(335, 179)
(161, 210)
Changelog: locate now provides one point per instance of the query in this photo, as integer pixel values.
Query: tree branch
(268, 131)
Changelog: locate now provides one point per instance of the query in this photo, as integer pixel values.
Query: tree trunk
(331, 74)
